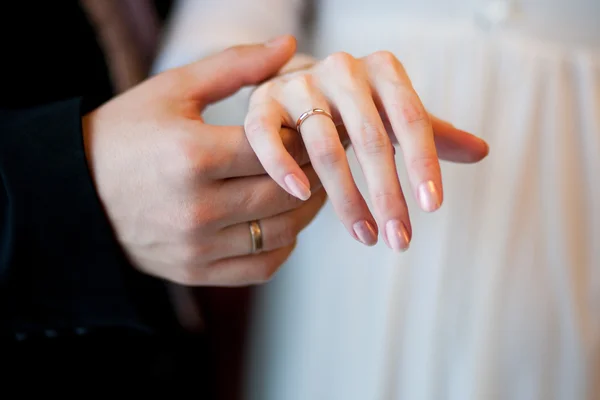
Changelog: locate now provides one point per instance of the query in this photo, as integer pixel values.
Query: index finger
(263, 122)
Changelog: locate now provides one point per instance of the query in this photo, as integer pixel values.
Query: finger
(228, 153)
(222, 74)
(245, 270)
(231, 155)
(456, 145)
(452, 144)
(258, 197)
(277, 231)
(238, 271)
(351, 93)
(411, 126)
(328, 157)
(262, 126)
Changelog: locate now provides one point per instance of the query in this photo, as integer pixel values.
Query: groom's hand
(180, 193)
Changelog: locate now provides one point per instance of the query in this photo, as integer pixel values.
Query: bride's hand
(363, 96)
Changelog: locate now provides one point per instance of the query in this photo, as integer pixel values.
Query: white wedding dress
(499, 295)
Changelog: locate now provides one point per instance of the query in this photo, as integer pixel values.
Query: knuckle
(424, 163)
(411, 110)
(255, 125)
(191, 160)
(372, 140)
(197, 219)
(202, 165)
(339, 60)
(299, 83)
(383, 57)
(386, 200)
(349, 204)
(264, 91)
(387, 64)
(327, 152)
(345, 68)
(414, 114)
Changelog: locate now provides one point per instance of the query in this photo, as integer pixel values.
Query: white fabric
(499, 294)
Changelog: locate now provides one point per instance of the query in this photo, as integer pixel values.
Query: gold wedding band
(256, 236)
(310, 113)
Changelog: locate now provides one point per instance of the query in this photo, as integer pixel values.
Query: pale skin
(371, 98)
(180, 193)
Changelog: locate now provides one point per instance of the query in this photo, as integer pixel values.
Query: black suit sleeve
(60, 264)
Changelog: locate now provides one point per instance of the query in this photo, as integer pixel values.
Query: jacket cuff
(61, 266)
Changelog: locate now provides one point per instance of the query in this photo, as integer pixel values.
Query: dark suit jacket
(63, 276)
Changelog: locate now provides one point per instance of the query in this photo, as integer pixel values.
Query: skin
(180, 193)
(373, 102)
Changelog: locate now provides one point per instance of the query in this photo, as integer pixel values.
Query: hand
(179, 192)
(373, 100)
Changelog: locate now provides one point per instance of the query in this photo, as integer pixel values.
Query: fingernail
(397, 235)
(365, 232)
(278, 41)
(429, 196)
(297, 187)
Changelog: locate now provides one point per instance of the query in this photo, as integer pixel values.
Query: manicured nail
(429, 196)
(365, 232)
(397, 235)
(297, 187)
(278, 41)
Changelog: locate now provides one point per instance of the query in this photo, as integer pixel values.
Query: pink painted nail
(365, 232)
(397, 235)
(429, 196)
(297, 187)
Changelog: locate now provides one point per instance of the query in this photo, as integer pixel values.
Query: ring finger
(276, 232)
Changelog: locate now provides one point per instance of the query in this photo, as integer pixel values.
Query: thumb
(221, 75)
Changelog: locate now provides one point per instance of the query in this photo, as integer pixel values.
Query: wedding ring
(256, 236)
(310, 113)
